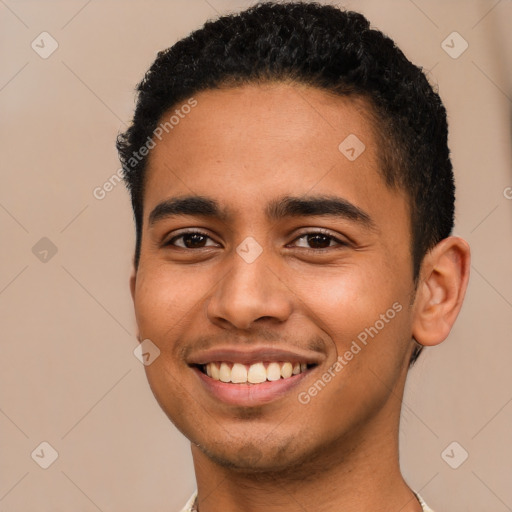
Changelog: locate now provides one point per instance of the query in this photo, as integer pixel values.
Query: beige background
(68, 373)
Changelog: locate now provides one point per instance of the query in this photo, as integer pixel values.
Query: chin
(253, 457)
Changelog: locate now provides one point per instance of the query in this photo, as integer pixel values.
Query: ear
(133, 282)
(133, 279)
(442, 285)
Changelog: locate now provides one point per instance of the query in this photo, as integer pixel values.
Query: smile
(252, 376)
(255, 373)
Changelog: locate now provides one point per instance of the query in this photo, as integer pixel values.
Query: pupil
(315, 241)
(194, 238)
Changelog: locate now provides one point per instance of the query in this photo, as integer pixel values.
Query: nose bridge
(247, 279)
(249, 289)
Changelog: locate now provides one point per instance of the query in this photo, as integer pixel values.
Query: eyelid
(323, 231)
(186, 231)
(311, 231)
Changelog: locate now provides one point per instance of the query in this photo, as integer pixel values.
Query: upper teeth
(254, 373)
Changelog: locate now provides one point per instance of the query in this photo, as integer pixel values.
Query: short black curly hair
(327, 48)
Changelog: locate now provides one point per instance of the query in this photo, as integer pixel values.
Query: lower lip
(247, 395)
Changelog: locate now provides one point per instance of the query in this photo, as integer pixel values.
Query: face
(275, 276)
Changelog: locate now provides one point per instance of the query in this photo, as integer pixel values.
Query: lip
(254, 355)
(250, 395)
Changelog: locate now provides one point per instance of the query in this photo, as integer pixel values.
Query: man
(293, 198)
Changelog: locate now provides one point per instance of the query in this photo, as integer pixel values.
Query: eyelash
(319, 231)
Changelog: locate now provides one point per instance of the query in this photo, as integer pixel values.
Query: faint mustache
(267, 338)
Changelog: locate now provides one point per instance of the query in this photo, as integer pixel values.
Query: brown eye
(191, 240)
(318, 240)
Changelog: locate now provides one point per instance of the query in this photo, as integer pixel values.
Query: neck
(359, 472)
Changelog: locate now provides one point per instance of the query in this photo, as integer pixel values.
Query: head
(299, 101)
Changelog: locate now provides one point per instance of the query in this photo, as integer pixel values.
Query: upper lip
(254, 355)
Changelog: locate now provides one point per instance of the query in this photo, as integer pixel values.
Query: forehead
(247, 145)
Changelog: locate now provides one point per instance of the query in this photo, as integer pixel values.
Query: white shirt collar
(191, 504)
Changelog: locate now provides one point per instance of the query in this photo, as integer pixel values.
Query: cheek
(346, 297)
(368, 322)
(163, 297)
(358, 304)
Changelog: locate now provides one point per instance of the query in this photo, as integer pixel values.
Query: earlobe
(441, 290)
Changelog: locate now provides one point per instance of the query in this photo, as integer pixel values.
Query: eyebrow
(187, 205)
(282, 207)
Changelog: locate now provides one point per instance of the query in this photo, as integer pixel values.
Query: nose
(248, 293)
